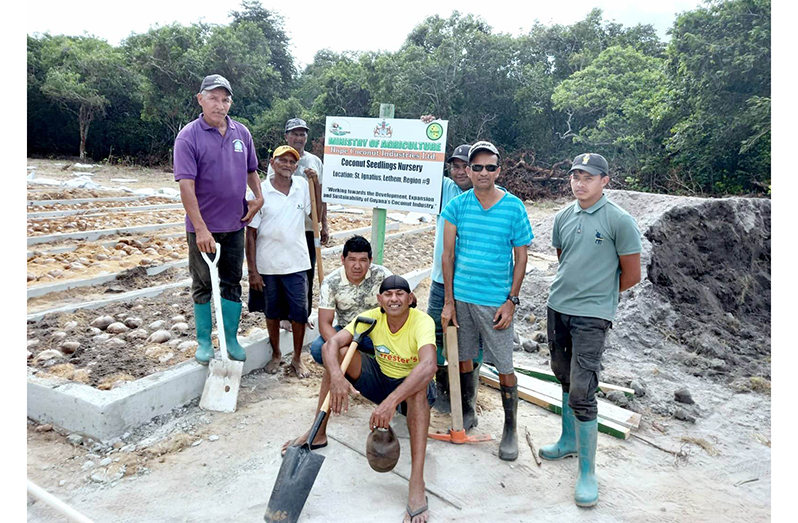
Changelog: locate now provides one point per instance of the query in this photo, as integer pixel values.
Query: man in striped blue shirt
(485, 241)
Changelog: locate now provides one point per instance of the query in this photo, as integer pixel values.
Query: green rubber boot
(508, 448)
(203, 324)
(469, 386)
(566, 446)
(586, 493)
(231, 312)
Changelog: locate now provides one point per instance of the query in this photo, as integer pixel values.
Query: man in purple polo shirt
(214, 161)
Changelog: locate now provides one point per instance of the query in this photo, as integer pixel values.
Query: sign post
(378, 215)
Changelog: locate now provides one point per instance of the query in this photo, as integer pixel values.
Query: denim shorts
(376, 386)
(284, 297)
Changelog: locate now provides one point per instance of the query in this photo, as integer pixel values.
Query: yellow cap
(285, 149)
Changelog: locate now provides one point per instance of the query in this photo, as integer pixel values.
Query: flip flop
(313, 446)
(420, 510)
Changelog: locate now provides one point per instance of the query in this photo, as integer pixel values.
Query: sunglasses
(478, 168)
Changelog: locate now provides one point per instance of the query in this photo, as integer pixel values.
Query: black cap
(394, 282)
(482, 146)
(592, 163)
(461, 153)
(214, 81)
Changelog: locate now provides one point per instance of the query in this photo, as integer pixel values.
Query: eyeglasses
(478, 168)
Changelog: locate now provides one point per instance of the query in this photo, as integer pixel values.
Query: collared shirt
(349, 299)
(448, 191)
(397, 352)
(281, 247)
(315, 163)
(589, 274)
(483, 255)
(219, 166)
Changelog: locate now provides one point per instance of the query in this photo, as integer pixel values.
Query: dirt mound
(712, 263)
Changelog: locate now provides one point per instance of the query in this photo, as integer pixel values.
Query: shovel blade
(292, 486)
(221, 388)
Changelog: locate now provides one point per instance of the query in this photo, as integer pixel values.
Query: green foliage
(80, 74)
(616, 102)
(719, 60)
(691, 116)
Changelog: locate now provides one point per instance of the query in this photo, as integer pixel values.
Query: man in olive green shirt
(598, 246)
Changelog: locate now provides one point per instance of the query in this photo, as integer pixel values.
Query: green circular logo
(434, 131)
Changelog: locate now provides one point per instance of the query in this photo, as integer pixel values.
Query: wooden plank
(555, 405)
(548, 375)
(606, 410)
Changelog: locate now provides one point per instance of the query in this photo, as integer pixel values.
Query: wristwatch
(515, 300)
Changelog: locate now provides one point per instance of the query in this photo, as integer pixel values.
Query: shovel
(301, 466)
(224, 376)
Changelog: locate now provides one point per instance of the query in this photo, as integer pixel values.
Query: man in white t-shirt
(277, 256)
(309, 166)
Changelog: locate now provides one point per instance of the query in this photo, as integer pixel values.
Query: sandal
(420, 510)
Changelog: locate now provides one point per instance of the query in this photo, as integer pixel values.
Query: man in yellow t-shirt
(398, 378)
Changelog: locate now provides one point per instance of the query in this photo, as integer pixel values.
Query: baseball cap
(394, 282)
(482, 146)
(286, 149)
(592, 163)
(215, 80)
(461, 153)
(296, 123)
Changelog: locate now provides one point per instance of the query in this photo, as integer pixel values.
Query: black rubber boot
(469, 386)
(508, 448)
(442, 402)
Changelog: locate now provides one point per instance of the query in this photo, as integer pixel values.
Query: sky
(339, 26)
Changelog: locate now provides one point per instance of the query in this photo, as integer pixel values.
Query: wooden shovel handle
(453, 357)
(350, 353)
(314, 215)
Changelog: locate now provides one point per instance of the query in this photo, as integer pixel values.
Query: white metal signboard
(387, 163)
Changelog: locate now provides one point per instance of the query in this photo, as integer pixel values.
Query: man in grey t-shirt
(598, 246)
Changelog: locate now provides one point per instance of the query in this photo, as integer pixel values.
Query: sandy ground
(193, 466)
(230, 479)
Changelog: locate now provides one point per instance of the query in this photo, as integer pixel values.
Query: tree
(271, 25)
(615, 106)
(80, 71)
(719, 62)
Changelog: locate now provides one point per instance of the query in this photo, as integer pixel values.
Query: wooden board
(548, 375)
(555, 405)
(606, 410)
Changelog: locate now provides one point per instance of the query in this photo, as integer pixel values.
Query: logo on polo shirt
(599, 238)
(382, 349)
(238, 146)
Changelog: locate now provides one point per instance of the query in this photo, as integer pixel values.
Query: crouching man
(398, 378)
(598, 245)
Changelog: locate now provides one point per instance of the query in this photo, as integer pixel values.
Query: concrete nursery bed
(105, 415)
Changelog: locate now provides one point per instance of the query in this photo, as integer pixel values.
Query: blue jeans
(366, 346)
(434, 309)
